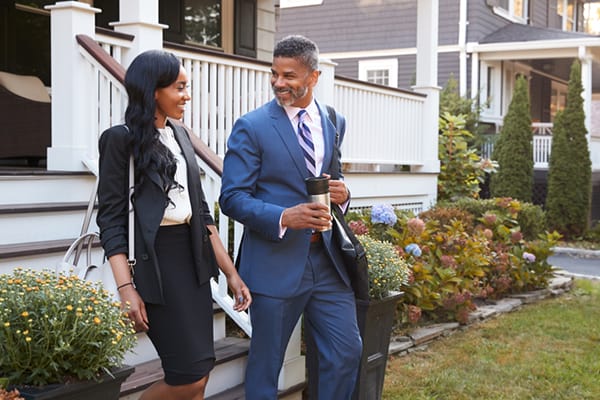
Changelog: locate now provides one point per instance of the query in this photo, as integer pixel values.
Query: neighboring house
(74, 55)
(484, 44)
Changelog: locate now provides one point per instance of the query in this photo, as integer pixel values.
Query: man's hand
(307, 215)
(338, 192)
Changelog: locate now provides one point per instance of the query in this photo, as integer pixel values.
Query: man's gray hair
(298, 47)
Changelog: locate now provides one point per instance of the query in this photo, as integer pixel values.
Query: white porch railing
(384, 125)
(542, 144)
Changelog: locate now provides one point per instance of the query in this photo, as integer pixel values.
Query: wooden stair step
(35, 248)
(147, 373)
(42, 207)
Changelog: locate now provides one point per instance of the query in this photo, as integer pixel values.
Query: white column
(325, 90)
(586, 82)
(140, 19)
(71, 112)
(427, 71)
(462, 40)
(475, 86)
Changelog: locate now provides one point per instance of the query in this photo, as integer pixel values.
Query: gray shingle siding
(448, 27)
(538, 13)
(357, 27)
(482, 20)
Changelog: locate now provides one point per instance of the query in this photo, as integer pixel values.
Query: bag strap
(131, 239)
(90, 210)
(336, 161)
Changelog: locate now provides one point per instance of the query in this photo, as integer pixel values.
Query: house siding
(357, 26)
(538, 13)
(482, 20)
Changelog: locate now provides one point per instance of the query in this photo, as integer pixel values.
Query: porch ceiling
(549, 51)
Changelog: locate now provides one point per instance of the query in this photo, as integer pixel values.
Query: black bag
(355, 257)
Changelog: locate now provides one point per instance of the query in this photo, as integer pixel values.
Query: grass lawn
(549, 350)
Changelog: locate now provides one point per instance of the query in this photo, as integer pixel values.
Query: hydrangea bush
(456, 258)
(54, 329)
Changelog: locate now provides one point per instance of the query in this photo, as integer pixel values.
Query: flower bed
(455, 257)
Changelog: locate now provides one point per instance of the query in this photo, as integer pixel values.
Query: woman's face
(170, 100)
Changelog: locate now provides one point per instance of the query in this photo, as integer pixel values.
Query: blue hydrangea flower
(413, 249)
(528, 257)
(383, 214)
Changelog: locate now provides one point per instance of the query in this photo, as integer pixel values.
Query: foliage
(569, 175)
(513, 149)
(461, 169)
(57, 328)
(453, 103)
(387, 271)
(530, 218)
(456, 257)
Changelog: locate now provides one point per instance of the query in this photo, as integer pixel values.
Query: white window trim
(509, 14)
(299, 3)
(391, 64)
(494, 103)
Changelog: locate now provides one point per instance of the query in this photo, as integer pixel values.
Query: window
(490, 90)
(514, 10)
(202, 22)
(558, 99)
(381, 72)
(591, 15)
(571, 13)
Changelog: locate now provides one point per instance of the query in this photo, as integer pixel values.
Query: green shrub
(513, 150)
(569, 175)
(461, 169)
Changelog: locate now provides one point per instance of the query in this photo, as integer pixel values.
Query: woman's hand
(132, 303)
(240, 291)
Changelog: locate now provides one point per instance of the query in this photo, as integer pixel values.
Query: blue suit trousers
(329, 309)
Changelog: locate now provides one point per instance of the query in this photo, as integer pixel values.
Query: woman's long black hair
(149, 71)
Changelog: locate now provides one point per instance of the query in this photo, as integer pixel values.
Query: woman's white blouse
(179, 211)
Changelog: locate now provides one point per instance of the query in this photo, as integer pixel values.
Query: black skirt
(182, 328)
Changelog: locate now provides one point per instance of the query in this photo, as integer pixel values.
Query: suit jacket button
(145, 257)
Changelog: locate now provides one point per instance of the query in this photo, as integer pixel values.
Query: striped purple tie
(305, 140)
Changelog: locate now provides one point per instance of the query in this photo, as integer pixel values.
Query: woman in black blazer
(177, 247)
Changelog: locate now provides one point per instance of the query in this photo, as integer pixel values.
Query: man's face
(292, 82)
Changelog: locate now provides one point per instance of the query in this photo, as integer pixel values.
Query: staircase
(41, 213)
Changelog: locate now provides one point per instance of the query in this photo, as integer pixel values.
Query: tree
(513, 150)
(570, 171)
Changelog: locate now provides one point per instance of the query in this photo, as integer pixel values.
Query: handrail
(96, 51)
(211, 158)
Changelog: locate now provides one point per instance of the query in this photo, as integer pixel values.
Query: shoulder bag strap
(131, 239)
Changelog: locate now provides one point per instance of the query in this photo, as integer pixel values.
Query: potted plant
(61, 337)
(387, 273)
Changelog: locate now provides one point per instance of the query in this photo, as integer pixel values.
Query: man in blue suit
(290, 266)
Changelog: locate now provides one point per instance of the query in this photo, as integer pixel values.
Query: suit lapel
(286, 132)
(193, 173)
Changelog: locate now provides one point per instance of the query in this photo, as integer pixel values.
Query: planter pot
(107, 388)
(379, 316)
(375, 320)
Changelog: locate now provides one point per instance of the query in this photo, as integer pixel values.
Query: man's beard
(294, 95)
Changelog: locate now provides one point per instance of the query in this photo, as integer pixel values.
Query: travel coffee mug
(318, 191)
